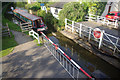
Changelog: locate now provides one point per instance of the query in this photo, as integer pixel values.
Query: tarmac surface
(30, 61)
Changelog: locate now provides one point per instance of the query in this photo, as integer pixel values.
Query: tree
(73, 11)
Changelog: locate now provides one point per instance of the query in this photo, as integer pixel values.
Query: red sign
(97, 33)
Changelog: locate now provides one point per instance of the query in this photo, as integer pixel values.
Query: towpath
(30, 61)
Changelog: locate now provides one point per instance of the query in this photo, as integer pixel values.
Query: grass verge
(8, 44)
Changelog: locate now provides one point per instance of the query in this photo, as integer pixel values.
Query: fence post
(107, 22)
(116, 23)
(101, 38)
(104, 20)
(8, 30)
(89, 34)
(21, 26)
(97, 18)
(80, 29)
(65, 23)
(116, 45)
(89, 17)
(72, 26)
(38, 39)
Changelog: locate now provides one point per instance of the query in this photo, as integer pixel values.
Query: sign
(42, 4)
(97, 33)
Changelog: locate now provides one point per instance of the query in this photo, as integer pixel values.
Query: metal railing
(103, 20)
(69, 65)
(82, 31)
(74, 70)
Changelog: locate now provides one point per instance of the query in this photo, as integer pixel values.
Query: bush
(35, 6)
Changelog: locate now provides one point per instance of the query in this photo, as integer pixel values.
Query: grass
(11, 25)
(8, 44)
(41, 43)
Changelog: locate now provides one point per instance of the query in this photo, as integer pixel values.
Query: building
(31, 1)
(56, 8)
(111, 6)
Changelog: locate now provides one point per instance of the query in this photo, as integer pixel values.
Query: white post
(104, 20)
(38, 39)
(97, 18)
(65, 23)
(72, 26)
(116, 23)
(80, 29)
(101, 38)
(89, 17)
(116, 45)
(108, 23)
(89, 34)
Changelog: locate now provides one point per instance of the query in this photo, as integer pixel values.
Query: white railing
(82, 30)
(102, 20)
(35, 35)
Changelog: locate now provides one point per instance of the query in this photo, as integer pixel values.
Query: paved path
(31, 61)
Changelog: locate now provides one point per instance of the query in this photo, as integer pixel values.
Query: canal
(88, 61)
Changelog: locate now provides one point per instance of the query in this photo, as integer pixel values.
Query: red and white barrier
(72, 61)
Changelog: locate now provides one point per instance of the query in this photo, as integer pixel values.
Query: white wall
(52, 10)
(114, 7)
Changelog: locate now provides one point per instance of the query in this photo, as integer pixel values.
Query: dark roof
(58, 5)
(27, 15)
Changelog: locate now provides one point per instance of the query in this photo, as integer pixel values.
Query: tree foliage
(96, 8)
(34, 6)
(73, 11)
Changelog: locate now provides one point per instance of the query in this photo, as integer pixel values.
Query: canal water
(88, 61)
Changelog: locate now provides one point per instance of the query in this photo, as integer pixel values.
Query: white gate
(82, 30)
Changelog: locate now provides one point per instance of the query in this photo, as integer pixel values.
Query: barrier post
(101, 38)
(80, 29)
(65, 23)
(72, 26)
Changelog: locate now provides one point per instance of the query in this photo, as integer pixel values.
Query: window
(111, 14)
(56, 11)
(118, 14)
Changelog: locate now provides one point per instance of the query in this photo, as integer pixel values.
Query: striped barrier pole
(56, 47)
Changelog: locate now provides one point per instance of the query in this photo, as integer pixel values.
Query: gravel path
(30, 61)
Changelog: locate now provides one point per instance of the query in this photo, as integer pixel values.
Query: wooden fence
(25, 26)
(5, 31)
